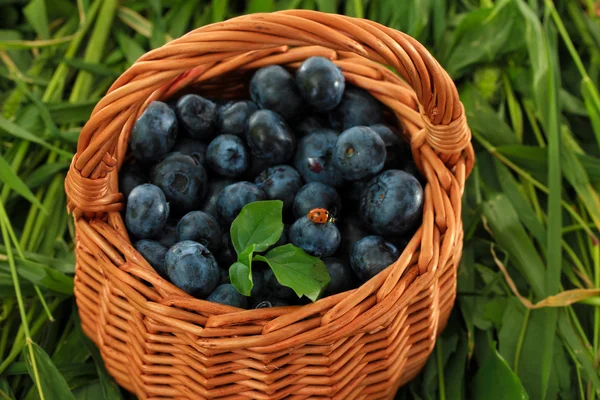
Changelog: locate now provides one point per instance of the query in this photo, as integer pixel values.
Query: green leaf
(484, 119)
(219, 8)
(41, 275)
(258, 223)
(17, 131)
(109, 386)
(259, 6)
(512, 237)
(485, 35)
(305, 274)
(93, 391)
(327, 6)
(494, 379)
(45, 172)
(10, 178)
(52, 382)
(240, 276)
(35, 12)
(65, 113)
(129, 47)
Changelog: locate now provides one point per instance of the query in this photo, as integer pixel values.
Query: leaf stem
(521, 339)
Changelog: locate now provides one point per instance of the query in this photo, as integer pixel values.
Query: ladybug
(320, 216)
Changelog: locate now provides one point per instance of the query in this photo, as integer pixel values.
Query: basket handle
(92, 188)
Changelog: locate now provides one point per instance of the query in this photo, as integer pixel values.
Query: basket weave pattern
(158, 342)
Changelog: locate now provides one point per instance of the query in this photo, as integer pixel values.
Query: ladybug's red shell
(319, 215)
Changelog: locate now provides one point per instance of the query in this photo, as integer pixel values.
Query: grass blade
(10, 178)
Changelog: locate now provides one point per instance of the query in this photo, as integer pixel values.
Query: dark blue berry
(154, 133)
(341, 275)
(357, 107)
(192, 268)
(198, 116)
(352, 231)
(275, 288)
(321, 83)
(233, 117)
(317, 195)
(258, 280)
(274, 88)
(200, 227)
(227, 294)
(281, 182)
(411, 168)
(319, 240)
(193, 148)
(371, 255)
(168, 235)
(269, 137)
(223, 273)
(394, 146)
(308, 125)
(209, 203)
(234, 197)
(359, 153)
(147, 211)
(182, 180)
(227, 156)
(226, 254)
(154, 253)
(130, 176)
(391, 203)
(313, 158)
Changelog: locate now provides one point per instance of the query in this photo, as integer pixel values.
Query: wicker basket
(158, 342)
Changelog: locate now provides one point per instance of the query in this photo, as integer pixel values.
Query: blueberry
(371, 255)
(321, 83)
(258, 279)
(200, 227)
(391, 203)
(192, 268)
(198, 116)
(319, 240)
(359, 152)
(193, 148)
(274, 88)
(308, 125)
(269, 137)
(227, 294)
(168, 235)
(226, 254)
(130, 176)
(313, 159)
(233, 117)
(209, 203)
(352, 231)
(227, 155)
(342, 278)
(154, 133)
(182, 180)
(281, 182)
(154, 253)
(275, 288)
(317, 195)
(234, 197)
(357, 107)
(394, 146)
(147, 211)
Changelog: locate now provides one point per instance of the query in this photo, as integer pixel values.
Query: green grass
(527, 318)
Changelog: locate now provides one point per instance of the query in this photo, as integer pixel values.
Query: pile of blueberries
(350, 191)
